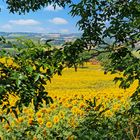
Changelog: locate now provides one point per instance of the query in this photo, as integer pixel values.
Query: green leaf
(37, 77)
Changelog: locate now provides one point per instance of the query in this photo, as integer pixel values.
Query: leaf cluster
(122, 125)
(26, 71)
(25, 6)
(99, 21)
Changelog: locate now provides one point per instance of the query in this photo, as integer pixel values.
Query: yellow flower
(116, 107)
(43, 110)
(39, 114)
(61, 114)
(49, 124)
(74, 110)
(53, 106)
(81, 105)
(69, 106)
(40, 120)
(12, 124)
(56, 119)
(20, 119)
(30, 116)
(30, 121)
(80, 112)
(48, 110)
(108, 113)
(6, 126)
(74, 102)
(25, 110)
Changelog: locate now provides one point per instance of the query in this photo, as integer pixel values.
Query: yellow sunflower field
(71, 93)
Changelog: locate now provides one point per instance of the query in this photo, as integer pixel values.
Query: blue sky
(46, 20)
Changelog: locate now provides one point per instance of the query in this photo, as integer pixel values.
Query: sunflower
(49, 125)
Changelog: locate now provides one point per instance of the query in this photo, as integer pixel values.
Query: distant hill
(59, 38)
(39, 35)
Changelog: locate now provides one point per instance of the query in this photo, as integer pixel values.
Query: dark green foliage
(116, 20)
(122, 125)
(25, 6)
(32, 67)
(75, 49)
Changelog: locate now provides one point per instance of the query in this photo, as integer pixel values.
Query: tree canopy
(116, 20)
(99, 19)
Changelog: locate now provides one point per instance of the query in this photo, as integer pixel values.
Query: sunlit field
(70, 93)
(89, 81)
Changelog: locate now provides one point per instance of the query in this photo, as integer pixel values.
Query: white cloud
(58, 20)
(12, 28)
(24, 22)
(51, 8)
(6, 27)
(64, 31)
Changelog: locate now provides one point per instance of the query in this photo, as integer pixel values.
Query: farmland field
(88, 81)
(70, 93)
(70, 70)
